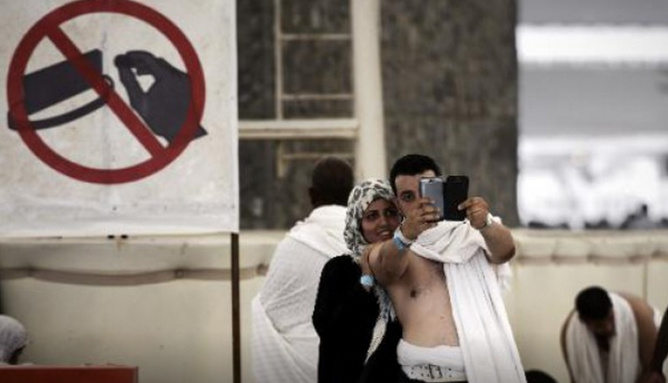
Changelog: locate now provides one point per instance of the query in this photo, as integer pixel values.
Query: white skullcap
(13, 336)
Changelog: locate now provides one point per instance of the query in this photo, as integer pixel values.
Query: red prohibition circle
(49, 27)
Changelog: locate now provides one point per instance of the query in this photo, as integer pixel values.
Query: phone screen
(455, 191)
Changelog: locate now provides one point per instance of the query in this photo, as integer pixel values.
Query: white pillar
(370, 147)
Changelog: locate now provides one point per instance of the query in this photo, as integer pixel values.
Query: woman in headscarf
(13, 339)
(355, 343)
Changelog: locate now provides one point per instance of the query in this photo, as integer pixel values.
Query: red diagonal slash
(50, 27)
(115, 102)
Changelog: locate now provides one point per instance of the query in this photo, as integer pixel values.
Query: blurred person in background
(639, 220)
(656, 375)
(538, 376)
(284, 344)
(13, 339)
(609, 337)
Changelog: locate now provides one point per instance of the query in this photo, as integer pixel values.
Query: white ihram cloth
(284, 344)
(487, 342)
(623, 360)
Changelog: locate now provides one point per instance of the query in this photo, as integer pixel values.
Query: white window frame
(366, 125)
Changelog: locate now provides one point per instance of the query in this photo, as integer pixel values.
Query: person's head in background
(405, 177)
(13, 339)
(595, 311)
(331, 181)
(371, 216)
(538, 376)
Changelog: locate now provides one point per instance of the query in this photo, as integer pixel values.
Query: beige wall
(164, 304)
(543, 295)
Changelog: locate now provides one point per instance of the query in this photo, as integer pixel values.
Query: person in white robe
(13, 339)
(609, 337)
(284, 344)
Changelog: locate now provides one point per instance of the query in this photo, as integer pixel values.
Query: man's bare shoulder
(641, 309)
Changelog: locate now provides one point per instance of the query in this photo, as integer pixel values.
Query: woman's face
(380, 220)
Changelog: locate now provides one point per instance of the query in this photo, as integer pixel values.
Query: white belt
(433, 373)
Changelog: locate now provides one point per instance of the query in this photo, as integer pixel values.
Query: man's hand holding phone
(476, 209)
(447, 195)
(422, 216)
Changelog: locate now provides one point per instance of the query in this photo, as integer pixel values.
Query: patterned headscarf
(359, 200)
(13, 337)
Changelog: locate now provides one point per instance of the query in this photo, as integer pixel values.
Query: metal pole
(236, 317)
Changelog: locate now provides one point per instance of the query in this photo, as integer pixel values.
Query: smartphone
(433, 187)
(455, 191)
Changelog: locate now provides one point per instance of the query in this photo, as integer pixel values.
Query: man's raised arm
(498, 238)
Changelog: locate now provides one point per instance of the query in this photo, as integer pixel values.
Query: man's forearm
(392, 260)
(499, 242)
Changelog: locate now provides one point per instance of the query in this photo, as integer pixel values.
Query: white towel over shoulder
(623, 360)
(322, 231)
(284, 344)
(487, 342)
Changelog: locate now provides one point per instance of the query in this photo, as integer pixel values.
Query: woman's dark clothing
(344, 317)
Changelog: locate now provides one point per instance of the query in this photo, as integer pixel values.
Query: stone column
(449, 71)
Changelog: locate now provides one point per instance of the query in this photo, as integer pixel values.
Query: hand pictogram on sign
(164, 106)
(146, 116)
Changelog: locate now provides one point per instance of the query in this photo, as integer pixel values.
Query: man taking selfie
(442, 286)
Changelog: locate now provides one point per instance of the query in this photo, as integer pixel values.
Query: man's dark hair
(538, 376)
(410, 165)
(593, 303)
(331, 182)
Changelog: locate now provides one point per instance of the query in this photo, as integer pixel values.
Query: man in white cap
(13, 339)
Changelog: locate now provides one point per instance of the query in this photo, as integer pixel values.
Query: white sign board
(120, 117)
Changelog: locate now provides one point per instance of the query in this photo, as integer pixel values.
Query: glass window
(295, 63)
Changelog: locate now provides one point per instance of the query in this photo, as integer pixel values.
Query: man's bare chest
(426, 278)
